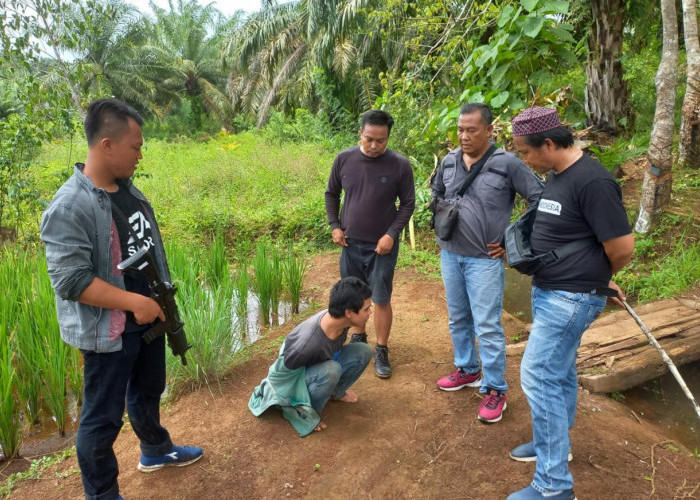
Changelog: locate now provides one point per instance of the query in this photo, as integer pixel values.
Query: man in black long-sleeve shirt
(368, 226)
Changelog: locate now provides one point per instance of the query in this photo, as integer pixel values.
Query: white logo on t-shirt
(139, 224)
(550, 207)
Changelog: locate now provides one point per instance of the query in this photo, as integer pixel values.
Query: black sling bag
(446, 212)
(516, 242)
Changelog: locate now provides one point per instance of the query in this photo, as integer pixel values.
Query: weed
(216, 266)
(9, 415)
(614, 155)
(295, 267)
(36, 470)
(617, 396)
(262, 268)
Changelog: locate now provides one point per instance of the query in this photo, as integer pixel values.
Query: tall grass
(19, 277)
(216, 266)
(9, 414)
(295, 267)
(262, 268)
(207, 312)
(55, 361)
(276, 280)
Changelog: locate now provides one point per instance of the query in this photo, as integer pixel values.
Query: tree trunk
(689, 147)
(656, 188)
(607, 95)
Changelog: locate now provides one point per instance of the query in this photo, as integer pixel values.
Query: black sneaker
(358, 337)
(382, 368)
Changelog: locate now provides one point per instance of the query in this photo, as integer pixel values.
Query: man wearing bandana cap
(581, 200)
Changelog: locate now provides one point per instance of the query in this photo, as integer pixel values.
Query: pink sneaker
(458, 380)
(491, 408)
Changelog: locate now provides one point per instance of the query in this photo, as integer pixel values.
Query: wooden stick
(672, 368)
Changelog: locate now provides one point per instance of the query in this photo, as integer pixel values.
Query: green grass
(37, 469)
(244, 185)
(295, 267)
(9, 413)
(208, 314)
(264, 286)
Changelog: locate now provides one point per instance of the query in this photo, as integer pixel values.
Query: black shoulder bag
(516, 242)
(446, 212)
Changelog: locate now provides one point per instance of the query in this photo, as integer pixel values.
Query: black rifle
(163, 293)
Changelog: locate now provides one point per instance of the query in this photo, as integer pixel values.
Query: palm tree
(184, 55)
(112, 58)
(306, 53)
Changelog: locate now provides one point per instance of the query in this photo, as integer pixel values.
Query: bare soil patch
(403, 439)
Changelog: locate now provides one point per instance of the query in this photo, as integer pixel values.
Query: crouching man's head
(351, 299)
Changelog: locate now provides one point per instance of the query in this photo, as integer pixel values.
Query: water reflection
(254, 323)
(516, 296)
(662, 401)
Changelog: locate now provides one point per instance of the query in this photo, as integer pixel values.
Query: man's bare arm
(619, 251)
(99, 293)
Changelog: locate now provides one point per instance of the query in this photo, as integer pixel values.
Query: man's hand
(620, 294)
(497, 251)
(339, 237)
(384, 245)
(146, 310)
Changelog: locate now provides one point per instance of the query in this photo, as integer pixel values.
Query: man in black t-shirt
(580, 201)
(367, 228)
(97, 219)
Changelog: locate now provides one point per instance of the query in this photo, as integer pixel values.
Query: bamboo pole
(672, 368)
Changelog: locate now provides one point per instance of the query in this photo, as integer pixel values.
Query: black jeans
(136, 373)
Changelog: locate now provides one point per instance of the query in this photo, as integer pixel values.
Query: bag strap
(476, 168)
(573, 247)
(121, 215)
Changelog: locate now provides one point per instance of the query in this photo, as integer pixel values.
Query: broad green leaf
(500, 99)
(562, 34)
(529, 5)
(556, 7)
(477, 97)
(488, 54)
(505, 16)
(518, 103)
(498, 73)
(533, 26)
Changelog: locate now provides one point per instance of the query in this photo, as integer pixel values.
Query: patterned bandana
(535, 120)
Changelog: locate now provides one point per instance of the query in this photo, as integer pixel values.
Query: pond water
(663, 401)
(660, 400)
(254, 321)
(516, 296)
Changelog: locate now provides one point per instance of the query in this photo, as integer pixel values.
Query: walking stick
(672, 368)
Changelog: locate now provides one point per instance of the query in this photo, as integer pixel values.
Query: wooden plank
(599, 358)
(668, 322)
(646, 365)
(649, 307)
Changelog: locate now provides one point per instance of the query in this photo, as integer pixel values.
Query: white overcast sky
(227, 7)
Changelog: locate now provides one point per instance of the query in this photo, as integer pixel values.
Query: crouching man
(314, 365)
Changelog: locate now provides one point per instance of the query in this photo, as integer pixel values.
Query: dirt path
(403, 439)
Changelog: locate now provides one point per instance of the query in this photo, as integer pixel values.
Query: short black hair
(474, 107)
(108, 118)
(560, 136)
(348, 293)
(377, 117)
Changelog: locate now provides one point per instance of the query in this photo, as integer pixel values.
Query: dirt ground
(403, 439)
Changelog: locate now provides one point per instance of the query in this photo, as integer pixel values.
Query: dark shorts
(359, 259)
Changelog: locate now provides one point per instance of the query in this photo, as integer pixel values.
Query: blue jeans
(333, 378)
(474, 290)
(548, 377)
(137, 374)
